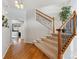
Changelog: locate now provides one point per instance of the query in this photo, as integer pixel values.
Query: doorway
(16, 33)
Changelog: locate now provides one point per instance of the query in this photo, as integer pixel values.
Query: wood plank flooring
(24, 51)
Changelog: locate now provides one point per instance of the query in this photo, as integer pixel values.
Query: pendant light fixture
(19, 4)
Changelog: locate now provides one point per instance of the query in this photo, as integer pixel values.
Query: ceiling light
(22, 6)
(17, 6)
(16, 2)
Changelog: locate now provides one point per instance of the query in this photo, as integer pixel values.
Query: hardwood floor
(24, 51)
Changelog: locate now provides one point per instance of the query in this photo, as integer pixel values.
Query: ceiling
(13, 13)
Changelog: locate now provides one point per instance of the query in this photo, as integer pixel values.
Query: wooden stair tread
(50, 38)
(50, 41)
(55, 38)
(50, 46)
(44, 49)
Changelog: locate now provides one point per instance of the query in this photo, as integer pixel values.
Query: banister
(51, 19)
(60, 52)
(60, 56)
(73, 34)
(44, 14)
(67, 43)
(70, 18)
(75, 17)
(53, 26)
(44, 17)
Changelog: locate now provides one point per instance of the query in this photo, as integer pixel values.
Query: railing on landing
(45, 20)
(68, 31)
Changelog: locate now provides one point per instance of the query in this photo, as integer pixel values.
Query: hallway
(24, 51)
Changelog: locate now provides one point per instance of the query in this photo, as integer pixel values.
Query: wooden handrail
(73, 34)
(51, 19)
(60, 52)
(44, 17)
(44, 14)
(75, 18)
(70, 18)
(53, 26)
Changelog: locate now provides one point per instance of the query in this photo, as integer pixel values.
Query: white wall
(36, 30)
(32, 29)
(71, 51)
(5, 40)
(74, 4)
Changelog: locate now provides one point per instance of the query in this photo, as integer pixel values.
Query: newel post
(53, 25)
(59, 44)
(74, 20)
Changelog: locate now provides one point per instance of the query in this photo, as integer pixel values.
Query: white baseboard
(6, 50)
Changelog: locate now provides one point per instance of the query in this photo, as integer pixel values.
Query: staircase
(45, 20)
(55, 44)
